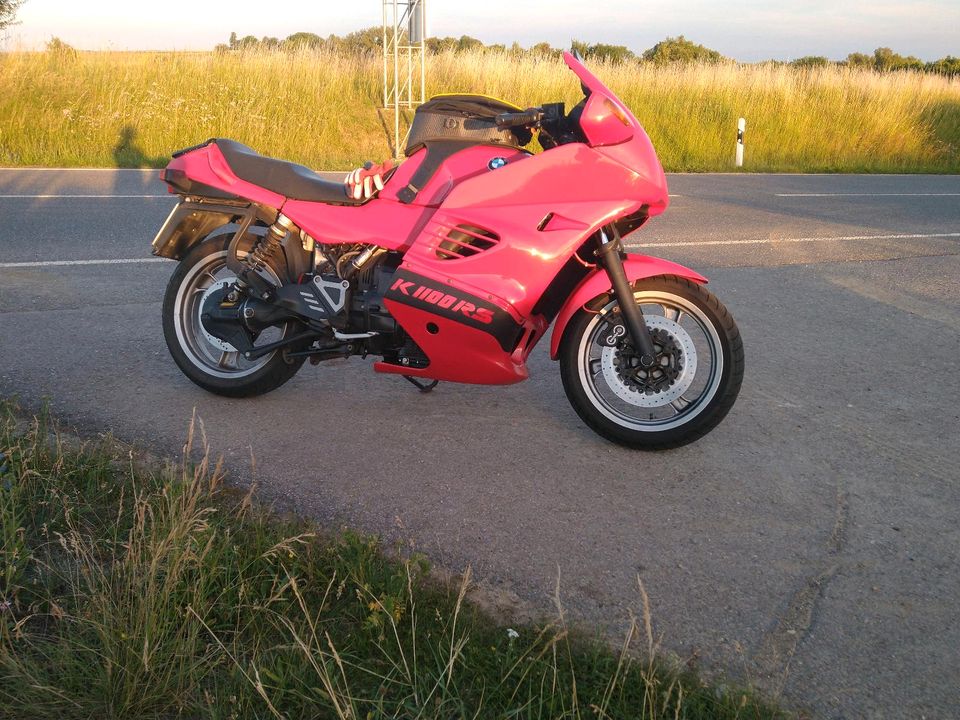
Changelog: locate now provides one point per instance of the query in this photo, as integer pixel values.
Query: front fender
(637, 267)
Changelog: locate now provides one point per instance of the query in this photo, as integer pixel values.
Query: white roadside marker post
(741, 126)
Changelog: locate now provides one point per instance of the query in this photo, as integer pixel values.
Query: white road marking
(775, 241)
(701, 243)
(74, 197)
(58, 263)
(817, 195)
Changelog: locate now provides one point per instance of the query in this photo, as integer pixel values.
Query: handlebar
(520, 119)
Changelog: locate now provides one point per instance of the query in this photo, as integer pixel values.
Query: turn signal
(616, 111)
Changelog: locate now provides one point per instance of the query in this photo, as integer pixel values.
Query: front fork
(609, 254)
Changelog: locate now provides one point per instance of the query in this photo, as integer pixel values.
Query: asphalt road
(810, 543)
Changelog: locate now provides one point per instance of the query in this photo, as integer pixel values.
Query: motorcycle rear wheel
(689, 390)
(211, 363)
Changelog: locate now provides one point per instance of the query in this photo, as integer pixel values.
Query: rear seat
(293, 181)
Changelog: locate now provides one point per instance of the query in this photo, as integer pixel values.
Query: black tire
(581, 372)
(189, 347)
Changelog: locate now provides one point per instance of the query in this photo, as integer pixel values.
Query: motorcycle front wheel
(212, 363)
(683, 395)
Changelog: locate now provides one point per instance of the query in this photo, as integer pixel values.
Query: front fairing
(613, 131)
(532, 215)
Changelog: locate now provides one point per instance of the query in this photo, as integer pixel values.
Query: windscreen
(593, 84)
(607, 135)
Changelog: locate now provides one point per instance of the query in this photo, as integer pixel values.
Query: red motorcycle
(456, 268)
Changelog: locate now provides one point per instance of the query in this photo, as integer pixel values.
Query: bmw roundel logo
(496, 163)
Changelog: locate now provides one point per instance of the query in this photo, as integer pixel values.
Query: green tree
(362, 42)
(56, 46)
(611, 53)
(247, 42)
(911, 62)
(602, 51)
(810, 61)
(543, 49)
(302, 41)
(948, 65)
(885, 59)
(679, 49)
(439, 45)
(8, 12)
(859, 60)
(469, 43)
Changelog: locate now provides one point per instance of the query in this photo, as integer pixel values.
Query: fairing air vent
(464, 241)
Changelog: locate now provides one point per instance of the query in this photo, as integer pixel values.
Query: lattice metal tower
(404, 59)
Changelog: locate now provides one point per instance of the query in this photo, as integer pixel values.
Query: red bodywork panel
(512, 203)
(207, 165)
(386, 223)
(469, 162)
(540, 214)
(489, 239)
(457, 353)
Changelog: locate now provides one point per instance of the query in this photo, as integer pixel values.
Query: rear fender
(190, 222)
(597, 284)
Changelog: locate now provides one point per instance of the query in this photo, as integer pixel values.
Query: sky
(747, 30)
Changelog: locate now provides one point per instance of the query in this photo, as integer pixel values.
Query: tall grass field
(108, 109)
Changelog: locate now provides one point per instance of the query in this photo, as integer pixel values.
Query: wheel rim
(677, 389)
(208, 353)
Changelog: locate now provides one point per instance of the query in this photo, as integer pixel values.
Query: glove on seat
(365, 182)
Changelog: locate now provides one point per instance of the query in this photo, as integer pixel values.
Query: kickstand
(420, 386)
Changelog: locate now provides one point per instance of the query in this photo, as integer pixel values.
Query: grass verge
(116, 109)
(132, 591)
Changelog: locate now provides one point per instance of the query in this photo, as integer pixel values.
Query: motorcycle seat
(291, 180)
